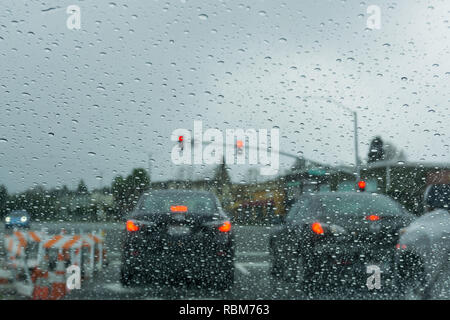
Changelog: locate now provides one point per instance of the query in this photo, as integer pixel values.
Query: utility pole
(150, 165)
(355, 128)
(357, 164)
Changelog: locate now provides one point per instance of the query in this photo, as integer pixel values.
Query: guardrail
(36, 262)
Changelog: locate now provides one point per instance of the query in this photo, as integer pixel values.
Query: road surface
(252, 274)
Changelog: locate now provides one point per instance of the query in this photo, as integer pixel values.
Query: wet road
(252, 274)
(252, 278)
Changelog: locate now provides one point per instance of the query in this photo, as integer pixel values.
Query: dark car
(17, 219)
(424, 246)
(328, 236)
(174, 233)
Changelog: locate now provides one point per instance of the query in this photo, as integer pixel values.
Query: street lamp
(355, 128)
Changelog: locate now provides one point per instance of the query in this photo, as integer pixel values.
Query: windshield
(282, 149)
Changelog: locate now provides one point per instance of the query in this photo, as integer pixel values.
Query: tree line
(79, 204)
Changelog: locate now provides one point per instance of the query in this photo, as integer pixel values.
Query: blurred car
(17, 219)
(327, 235)
(424, 246)
(178, 233)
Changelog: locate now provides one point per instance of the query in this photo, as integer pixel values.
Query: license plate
(178, 230)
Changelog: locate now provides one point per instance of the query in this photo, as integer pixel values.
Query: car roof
(347, 194)
(179, 191)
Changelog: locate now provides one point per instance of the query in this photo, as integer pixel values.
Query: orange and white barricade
(88, 256)
(69, 250)
(17, 263)
(47, 257)
(6, 276)
(58, 278)
(97, 241)
(69, 245)
(40, 279)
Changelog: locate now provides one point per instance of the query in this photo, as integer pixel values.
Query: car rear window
(358, 205)
(196, 203)
(438, 196)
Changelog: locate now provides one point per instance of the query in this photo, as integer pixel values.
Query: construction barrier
(36, 261)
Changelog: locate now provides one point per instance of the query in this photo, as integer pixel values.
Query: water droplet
(203, 16)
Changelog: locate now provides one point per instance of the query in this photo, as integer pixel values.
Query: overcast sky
(93, 103)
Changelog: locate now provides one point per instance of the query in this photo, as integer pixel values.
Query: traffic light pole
(355, 123)
(355, 129)
(283, 153)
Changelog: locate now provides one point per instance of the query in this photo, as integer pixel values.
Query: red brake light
(317, 228)
(131, 226)
(178, 208)
(373, 217)
(225, 227)
(361, 185)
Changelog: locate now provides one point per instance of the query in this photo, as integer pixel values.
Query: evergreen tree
(3, 199)
(126, 192)
(82, 188)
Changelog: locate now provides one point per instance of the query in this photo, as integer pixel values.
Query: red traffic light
(180, 139)
(239, 144)
(362, 185)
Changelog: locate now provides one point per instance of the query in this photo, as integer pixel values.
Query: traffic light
(180, 142)
(239, 146)
(361, 185)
